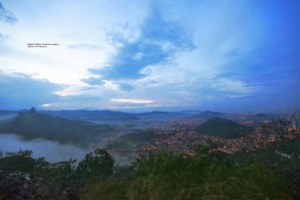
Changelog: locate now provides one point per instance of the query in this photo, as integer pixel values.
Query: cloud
(19, 91)
(229, 85)
(1, 38)
(7, 16)
(232, 47)
(108, 84)
(158, 42)
(133, 101)
(126, 87)
(93, 81)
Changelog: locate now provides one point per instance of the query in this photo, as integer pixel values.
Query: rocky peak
(32, 110)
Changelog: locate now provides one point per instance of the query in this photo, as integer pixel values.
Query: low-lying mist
(51, 150)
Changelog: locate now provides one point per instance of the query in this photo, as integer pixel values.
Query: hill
(31, 125)
(223, 128)
(160, 115)
(91, 114)
(258, 119)
(208, 115)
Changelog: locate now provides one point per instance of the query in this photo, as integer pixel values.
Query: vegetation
(158, 175)
(142, 136)
(208, 115)
(126, 142)
(23, 177)
(164, 175)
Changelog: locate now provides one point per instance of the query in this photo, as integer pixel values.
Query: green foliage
(141, 136)
(284, 157)
(10, 186)
(165, 175)
(158, 175)
(267, 128)
(117, 143)
(97, 166)
(20, 161)
(128, 143)
(22, 177)
(223, 128)
(105, 190)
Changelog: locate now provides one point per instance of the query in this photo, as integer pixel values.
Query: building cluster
(184, 139)
(180, 136)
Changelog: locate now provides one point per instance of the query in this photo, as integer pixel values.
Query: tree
(295, 118)
(97, 166)
(20, 161)
(208, 175)
(283, 126)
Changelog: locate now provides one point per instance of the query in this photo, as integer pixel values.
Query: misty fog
(52, 151)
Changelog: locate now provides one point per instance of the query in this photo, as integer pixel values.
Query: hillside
(208, 115)
(31, 125)
(109, 116)
(258, 119)
(91, 114)
(223, 128)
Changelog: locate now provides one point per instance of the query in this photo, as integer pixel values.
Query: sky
(143, 55)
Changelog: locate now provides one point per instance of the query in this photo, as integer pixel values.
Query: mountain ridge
(33, 125)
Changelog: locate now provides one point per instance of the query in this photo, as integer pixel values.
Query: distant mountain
(154, 113)
(161, 117)
(31, 125)
(208, 115)
(261, 117)
(223, 128)
(7, 115)
(159, 113)
(92, 114)
(108, 115)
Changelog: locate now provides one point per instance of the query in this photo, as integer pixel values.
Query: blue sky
(222, 55)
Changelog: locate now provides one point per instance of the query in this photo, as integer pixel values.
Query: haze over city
(229, 56)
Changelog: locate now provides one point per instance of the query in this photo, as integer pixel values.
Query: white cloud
(133, 101)
(109, 85)
(80, 24)
(229, 85)
(46, 105)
